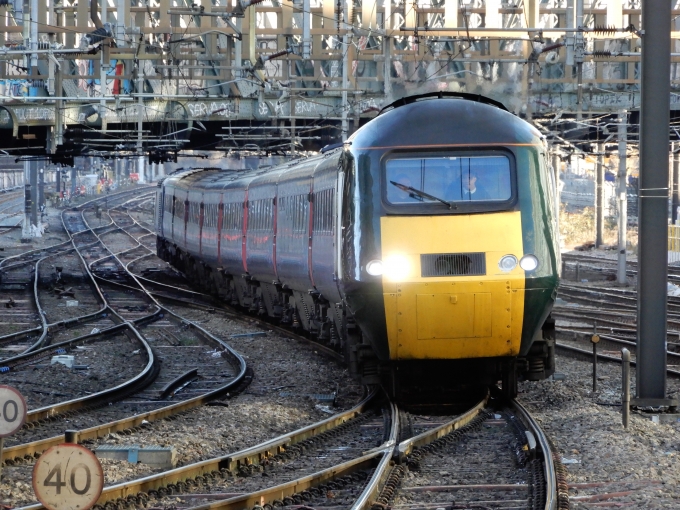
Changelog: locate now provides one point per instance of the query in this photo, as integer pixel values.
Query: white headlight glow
(397, 267)
(374, 267)
(528, 262)
(507, 263)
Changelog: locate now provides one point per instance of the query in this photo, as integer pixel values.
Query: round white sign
(68, 477)
(12, 410)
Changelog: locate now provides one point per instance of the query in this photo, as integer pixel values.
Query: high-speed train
(424, 248)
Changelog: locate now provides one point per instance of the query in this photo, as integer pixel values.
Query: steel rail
(128, 491)
(44, 328)
(30, 449)
(379, 458)
(625, 342)
(41, 312)
(80, 402)
(406, 447)
(152, 253)
(587, 355)
(673, 272)
(546, 449)
(382, 471)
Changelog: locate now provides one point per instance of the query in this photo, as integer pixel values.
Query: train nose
(449, 291)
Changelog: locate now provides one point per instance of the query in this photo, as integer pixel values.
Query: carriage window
(295, 211)
(261, 215)
(194, 212)
(232, 216)
(179, 209)
(210, 215)
(448, 179)
(323, 212)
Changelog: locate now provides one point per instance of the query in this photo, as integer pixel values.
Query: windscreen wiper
(416, 193)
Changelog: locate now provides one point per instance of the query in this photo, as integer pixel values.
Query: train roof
(443, 120)
(219, 178)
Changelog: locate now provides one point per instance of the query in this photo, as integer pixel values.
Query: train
(424, 248)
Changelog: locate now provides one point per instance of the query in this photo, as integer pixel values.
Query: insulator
(605, 30)
(602, 53)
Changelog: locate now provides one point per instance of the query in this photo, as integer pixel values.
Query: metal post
(676, 187)
(345, 74)
(59, 107)
(26, 232)
(57, 183)
(34, 193)
(73, 181)
(71, 436)
(578, 44)
(556, 168)
(140, 126)
(292, 126)
(578, 272)
(41, 193)
(306, 30)
(594, 340)
(623, 199)
(34, 19)
(599, 197)
(625, 387)
(387, 70)
(653, 203)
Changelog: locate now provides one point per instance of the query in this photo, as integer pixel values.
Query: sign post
(68, 477)
(13, 411)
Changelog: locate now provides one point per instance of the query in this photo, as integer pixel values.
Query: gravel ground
(641, 462)
(110, 362)
(279, 400)
(634, 468)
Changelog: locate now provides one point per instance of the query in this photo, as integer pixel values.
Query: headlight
(396, 267)
(528, 262)
(507, 263)
(374, 267)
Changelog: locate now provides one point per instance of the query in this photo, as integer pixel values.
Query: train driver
(471, 189)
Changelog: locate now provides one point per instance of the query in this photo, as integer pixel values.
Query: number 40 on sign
(68, 477)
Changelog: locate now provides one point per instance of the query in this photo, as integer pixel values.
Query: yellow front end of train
(452, 317)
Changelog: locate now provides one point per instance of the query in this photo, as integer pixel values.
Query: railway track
(497, 456)
(574, 265)
(358, 449)
(128, 325)
(612, 314)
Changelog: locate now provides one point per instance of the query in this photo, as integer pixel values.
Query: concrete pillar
(141, 169)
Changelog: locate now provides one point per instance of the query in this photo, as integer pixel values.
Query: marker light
(528, 262)
(507, 263)
(397, 267)
(374, 267)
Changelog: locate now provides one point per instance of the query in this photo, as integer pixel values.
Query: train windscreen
(451, 179)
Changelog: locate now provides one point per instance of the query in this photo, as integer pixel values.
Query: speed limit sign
(68, 477)
(12, 410)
